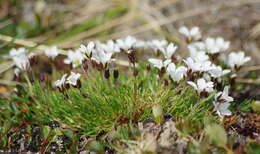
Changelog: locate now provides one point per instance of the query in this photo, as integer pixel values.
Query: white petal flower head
(193, 33)
(198, 56)
(176, 74)
(60, 83)
(158, 63)
(207, 76)
(73, 78)
(87, 50)
(217, 72)
(223, 97)
(222, 109)
(202, 85)
(17, 52)
(222, 44)
(22, 62)
(237, 59)
(157, 44)
(206, 66)
(74, 57)
(169, 51)
(213, 46)
(192, 65)
(126, 43)
(197, 46)
(110, 47)
(51, 52)
(101, 56)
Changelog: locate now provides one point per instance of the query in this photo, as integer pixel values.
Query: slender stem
(29, 83)
(135, 86)
(229, 151)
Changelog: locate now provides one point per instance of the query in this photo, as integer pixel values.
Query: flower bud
(85, 65)
(148, 67)
(166, 82)
(107, 74)
(116, 74)
(132, 56)
(41, 77)
(78, 84)
(135, 73)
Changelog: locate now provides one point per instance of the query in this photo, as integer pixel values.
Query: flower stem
(29, 83)
(135, 86)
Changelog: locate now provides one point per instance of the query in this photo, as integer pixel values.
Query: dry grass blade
(251, 68)
(110, 24)
(9, 83)
(255, 32)
(248, 81)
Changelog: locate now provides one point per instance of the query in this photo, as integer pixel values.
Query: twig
(248, 81)
(250, 68)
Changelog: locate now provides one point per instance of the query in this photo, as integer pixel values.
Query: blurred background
(68, 23)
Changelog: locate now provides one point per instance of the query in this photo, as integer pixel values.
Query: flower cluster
(203, 69)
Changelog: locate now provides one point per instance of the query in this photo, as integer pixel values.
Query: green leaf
(68, 133)
(256, 106)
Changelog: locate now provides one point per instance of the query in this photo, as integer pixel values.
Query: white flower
(102, 57)
(202, 85)
(110, 47)
(176, 74)
(217, 72)
(73, 79)
(157, 44)
(193, 33)
(87, 50)
(31, 55)
(198, 56)
(222, 109)
(237, 59)
(213, 46)
(222, 97)
(158, 63)
(198, 46)
(17, 52)
(222, 44)
(60, 83)
(74, 58)
(126, 43)
(197, 66)
(22, 62)
(51, 52)
(222, 102)
(206, 76)
(169, 51)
